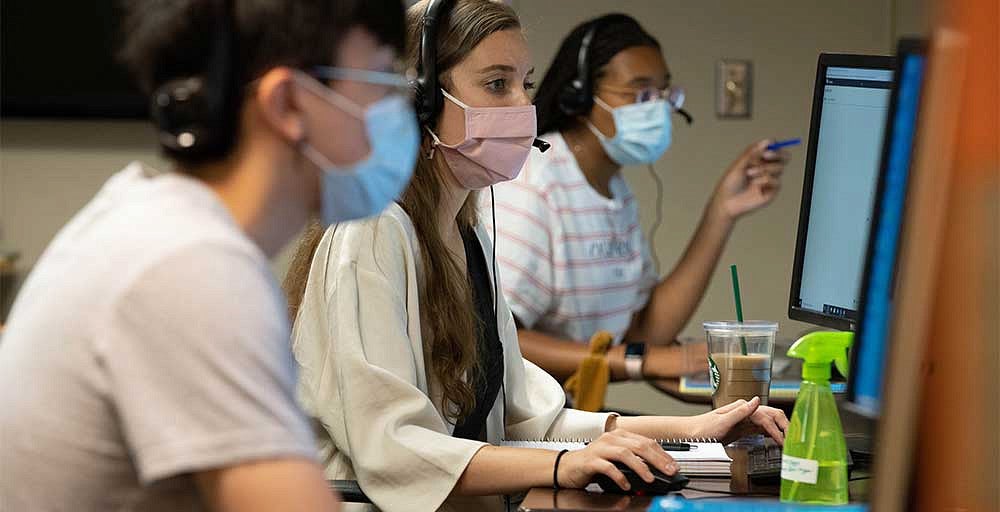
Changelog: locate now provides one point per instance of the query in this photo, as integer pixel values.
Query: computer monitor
(871, 343)
(850, 105)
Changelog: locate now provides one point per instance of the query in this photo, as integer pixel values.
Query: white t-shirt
(150, 341)
(573, 261)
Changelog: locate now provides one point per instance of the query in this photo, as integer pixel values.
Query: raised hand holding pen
(751, 182)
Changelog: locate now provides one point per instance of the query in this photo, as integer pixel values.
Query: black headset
(196, 116)
(576, 98)
(427, 95)
(426, 92)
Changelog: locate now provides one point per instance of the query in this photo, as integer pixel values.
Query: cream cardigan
(363, 374)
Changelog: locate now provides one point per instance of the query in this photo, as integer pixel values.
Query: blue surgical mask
(642, 132)
(365, 188)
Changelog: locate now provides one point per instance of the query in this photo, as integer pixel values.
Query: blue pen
(774, 146)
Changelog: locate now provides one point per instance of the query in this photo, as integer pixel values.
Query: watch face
(635, 349)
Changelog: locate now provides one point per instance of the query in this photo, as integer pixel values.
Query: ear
(276, 101)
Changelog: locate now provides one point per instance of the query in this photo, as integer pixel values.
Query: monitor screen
(849, 114)
(60, 61)
(871, 343)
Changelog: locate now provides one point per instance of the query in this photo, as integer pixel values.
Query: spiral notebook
(707, 457)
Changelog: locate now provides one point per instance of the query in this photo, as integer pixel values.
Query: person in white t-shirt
(573, 257)
(147, 362)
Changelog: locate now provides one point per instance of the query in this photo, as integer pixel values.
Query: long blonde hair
(446, 305)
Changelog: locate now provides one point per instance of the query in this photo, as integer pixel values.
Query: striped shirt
(572, 261)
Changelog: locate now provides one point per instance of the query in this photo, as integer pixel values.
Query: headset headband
(576, 97)
(582, 73)
(428, 95)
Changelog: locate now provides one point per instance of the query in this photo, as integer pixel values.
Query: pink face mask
(497, 143)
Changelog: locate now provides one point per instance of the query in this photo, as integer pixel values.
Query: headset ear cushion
(572, 100)
(182, 112)
(427, 103)
(418, 99)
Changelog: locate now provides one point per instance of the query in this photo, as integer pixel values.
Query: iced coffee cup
(739, 360)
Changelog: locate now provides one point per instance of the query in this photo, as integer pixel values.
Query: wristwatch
(635, 354)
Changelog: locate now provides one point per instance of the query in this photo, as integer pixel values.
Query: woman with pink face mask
(406, 360)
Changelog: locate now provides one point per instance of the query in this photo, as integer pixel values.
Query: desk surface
(575, 500)
(546, 500)
(580, 500)
(672, 387)
(856, 428)
(781, 396)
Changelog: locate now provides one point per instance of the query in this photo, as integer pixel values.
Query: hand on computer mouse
(662, 483)
(578, 468)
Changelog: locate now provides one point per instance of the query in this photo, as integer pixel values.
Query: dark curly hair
(615, 32)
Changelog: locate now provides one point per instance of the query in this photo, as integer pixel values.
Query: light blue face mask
(642, 132)
(365, 188)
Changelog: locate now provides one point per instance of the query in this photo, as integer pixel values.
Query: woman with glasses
(408, 356)
(573, 258)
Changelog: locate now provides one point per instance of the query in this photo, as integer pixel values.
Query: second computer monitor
(850, 104)
(871, 352)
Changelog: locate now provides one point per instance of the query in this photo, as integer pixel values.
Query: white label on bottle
(799, 470)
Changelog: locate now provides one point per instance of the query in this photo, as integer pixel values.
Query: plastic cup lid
(745, 328)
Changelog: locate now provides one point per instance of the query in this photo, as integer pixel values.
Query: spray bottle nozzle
(818, 350)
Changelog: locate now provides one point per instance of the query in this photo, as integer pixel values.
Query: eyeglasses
(396, 82)
(673, 95)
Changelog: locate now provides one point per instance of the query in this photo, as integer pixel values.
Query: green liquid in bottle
(814, 464)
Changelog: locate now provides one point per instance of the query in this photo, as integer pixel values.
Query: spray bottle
(814, 459)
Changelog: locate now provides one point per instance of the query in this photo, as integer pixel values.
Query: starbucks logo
(713, 374)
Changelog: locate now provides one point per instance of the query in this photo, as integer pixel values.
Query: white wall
(48, 170)
(911, 18)
(783, 39)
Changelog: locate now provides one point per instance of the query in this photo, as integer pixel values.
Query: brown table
(576, 500)
(548, 500)
(542, 500)
(672, 387)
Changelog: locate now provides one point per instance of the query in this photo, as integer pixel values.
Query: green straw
(739, 305)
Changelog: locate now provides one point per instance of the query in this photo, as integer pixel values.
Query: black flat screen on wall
(59, 60)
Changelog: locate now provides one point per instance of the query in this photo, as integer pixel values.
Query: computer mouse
(661, 484)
